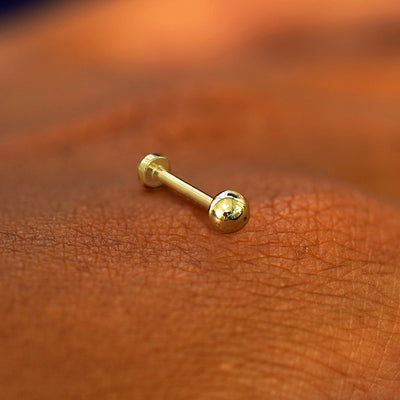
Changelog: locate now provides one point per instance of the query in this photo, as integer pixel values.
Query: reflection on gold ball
(229, 212)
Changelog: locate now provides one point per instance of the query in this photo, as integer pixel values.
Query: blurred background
(301, 84)
(12, 6)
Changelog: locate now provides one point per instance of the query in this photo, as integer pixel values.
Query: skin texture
(109, 290)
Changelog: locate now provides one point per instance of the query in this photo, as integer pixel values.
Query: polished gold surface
(184, 188)
(150, 166)
(227, 212)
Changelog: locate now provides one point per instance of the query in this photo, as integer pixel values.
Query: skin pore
(109, 290)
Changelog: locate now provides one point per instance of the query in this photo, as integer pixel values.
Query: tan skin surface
(112, 291)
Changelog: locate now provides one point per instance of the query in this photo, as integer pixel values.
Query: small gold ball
(229, 211)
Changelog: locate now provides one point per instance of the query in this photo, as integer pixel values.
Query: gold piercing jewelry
(228, 211)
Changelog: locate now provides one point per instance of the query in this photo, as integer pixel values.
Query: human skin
(109, 290)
